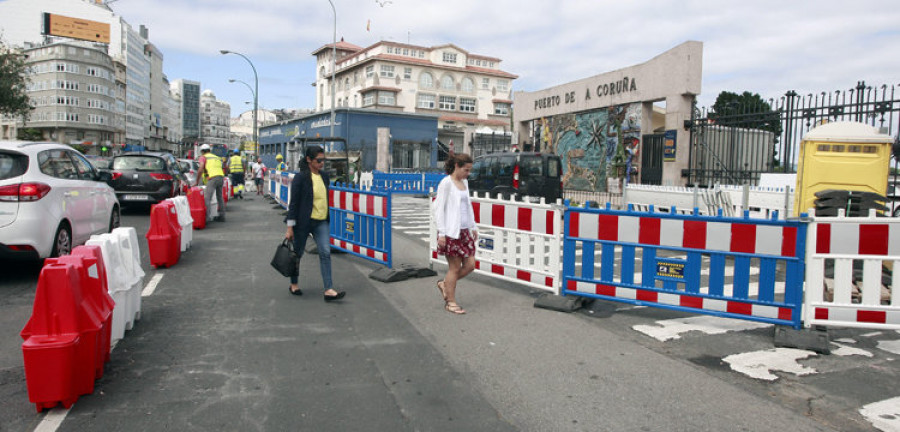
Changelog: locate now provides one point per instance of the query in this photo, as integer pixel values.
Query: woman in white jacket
(456, 227)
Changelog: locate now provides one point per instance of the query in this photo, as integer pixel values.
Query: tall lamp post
(333, 63)
(254, 111)
(255, 96)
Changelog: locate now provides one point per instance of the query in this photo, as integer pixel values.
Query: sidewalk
(223, 345)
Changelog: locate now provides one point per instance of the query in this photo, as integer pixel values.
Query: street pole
(333, 63)
(255, 97)
(254, 104)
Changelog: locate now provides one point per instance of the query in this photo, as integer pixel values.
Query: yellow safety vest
(213, 165)
(236, 165)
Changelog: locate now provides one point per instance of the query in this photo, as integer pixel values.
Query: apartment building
(72, 87)
(215, 121)
(469, 92)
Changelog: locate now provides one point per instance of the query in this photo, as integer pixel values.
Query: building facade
(188, 93)
(470, 93)
(215, 121)
(607, 126)
(72, 87)
(373, 139)
(139, 117)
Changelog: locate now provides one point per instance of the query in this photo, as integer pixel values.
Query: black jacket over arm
(300, 207)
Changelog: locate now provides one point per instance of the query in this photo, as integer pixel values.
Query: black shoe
(337, 296)
(298, 292)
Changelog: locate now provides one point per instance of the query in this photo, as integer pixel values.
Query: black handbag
(285, 259)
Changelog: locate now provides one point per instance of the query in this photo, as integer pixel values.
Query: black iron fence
(735, 143)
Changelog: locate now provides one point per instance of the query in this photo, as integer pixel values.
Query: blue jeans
(321, 233)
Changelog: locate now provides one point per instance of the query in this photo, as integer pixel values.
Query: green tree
(13, 97)
(745, 110)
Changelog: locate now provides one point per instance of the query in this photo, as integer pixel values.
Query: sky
(762, 46)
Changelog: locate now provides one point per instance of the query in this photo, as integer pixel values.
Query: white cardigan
(446, 209)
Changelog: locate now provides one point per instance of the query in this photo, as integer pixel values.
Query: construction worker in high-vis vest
(280, 166)
(236, 168)
(212, 166)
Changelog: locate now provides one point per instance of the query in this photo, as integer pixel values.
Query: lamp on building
(255, 92)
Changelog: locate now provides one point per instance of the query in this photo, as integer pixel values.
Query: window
(448, 103)
(502, 85)
(485, 83)
(467, 104)
(346, 83)
(449, 57)
(369, 98)
(390, 50)
(426, 81)
(421, 54)
(405, 51)
(501, 108)
(425, 101)
(56, 163)
(370, 71)
(468, 85)
(407, 73)
(85, 169)
(386, 98)
(447, 83)
(387, 71)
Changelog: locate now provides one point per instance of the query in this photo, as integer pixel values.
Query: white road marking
(151, 286)
(872, 334)
(884, 415)
(846, 340)
(892, 346)
(844, 351)
(673, 328)
(759, 364)
(52, 420)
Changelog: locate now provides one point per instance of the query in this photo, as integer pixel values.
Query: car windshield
(139, 163)
(12, 165)
(185, 166)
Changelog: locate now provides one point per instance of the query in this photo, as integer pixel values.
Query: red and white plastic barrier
(125, 278)
(517, 241)
(864, 253)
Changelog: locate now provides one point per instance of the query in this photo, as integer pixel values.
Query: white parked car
(51, 199)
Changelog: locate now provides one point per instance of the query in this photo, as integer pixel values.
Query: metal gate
(652, 159)
(735, 142)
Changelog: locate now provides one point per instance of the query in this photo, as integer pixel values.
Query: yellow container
(844, 156)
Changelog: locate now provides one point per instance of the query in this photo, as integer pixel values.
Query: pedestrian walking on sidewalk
(308, 214)
(258, 170)
(456, 227)
(212, 166)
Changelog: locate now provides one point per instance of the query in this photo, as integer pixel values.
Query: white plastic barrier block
(134, 274)
(185, 221)
(116, 280)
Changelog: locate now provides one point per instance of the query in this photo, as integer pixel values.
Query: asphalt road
(221, 345)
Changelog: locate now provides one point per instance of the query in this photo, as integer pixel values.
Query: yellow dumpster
(844, 156)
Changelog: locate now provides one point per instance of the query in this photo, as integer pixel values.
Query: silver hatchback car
(51, 199)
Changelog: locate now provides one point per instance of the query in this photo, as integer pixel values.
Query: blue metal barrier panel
(361, 222)
(731, 267)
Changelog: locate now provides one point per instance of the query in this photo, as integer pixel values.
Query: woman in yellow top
(308, 214)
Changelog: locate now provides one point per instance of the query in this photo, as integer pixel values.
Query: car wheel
(115, 219)
(62, 241)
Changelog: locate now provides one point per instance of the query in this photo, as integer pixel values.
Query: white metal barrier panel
(850, 269)
(517, 241)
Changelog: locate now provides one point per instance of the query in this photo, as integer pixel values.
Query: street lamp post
(333, 62)
(255, 97)
(254, 111)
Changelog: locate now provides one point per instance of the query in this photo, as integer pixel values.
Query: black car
(146, 177)
(517, 175)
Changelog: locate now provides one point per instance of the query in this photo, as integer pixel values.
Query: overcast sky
(766, 47)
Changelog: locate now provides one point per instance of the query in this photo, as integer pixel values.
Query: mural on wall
(593, 145)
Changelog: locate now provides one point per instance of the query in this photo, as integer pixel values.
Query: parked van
(518, 175)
